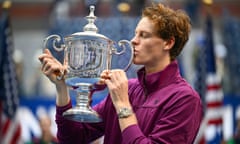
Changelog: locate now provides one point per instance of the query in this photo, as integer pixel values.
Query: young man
(158, 106)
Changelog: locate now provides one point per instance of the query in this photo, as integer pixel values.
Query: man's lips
(135, 52)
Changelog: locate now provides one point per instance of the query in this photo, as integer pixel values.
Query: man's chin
(136, 62)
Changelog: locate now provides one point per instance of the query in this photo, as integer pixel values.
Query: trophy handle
(56, 39)
(122, 44)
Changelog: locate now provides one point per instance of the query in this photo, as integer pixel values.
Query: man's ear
(169, 43)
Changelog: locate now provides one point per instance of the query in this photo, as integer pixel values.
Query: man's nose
(134, 40)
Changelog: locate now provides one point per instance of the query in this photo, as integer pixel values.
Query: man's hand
(117, 83)
(51, 67)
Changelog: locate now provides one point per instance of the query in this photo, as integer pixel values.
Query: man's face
(149, 49)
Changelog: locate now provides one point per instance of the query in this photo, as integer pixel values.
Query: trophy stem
(83, 99)
(83, 112)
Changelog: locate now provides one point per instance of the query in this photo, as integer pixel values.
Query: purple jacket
(168, 111)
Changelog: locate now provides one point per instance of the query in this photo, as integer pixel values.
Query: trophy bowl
(86, 55)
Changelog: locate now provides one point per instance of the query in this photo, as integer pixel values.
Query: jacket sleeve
(75, 132)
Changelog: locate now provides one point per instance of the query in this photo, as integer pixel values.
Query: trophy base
(84, 115)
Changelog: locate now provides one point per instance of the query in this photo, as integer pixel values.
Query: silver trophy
(86, 55)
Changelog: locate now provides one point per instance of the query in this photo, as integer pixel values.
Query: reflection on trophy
(86, 55)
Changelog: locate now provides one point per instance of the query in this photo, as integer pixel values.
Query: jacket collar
(154, 81)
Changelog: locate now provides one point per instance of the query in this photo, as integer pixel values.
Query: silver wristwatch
(124, 112)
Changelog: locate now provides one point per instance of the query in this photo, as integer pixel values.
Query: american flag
(10, 129)
(212, 121)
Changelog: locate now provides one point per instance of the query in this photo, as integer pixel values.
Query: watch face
(125, 112)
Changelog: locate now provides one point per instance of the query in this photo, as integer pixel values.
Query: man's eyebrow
(144, 31)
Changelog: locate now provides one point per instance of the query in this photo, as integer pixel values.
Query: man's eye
(144, 35)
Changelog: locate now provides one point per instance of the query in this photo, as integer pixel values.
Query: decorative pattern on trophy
(86, 55)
